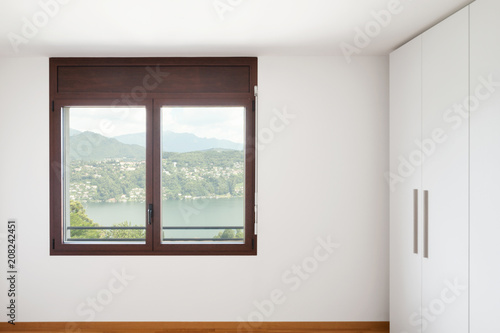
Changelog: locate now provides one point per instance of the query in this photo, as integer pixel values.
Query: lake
(189, 213)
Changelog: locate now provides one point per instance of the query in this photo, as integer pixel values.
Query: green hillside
(90, 146)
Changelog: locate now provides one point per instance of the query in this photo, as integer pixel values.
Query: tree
(230, 234)
(124, 233)
(240, 234)
(79, 218)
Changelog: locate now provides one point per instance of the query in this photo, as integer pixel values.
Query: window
(152, 156)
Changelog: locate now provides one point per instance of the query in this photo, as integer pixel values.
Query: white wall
(321, 175)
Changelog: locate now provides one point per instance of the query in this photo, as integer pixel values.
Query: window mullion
(156, 181)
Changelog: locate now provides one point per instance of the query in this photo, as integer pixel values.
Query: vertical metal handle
(426, 224)
(150, 213)
(415, 221)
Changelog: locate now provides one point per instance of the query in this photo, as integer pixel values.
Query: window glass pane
(203, 174)
(104, 154)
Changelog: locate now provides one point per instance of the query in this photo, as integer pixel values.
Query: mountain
(90, 146)
(73, 132)
(181, 142)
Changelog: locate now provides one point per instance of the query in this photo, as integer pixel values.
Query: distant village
(124, 181)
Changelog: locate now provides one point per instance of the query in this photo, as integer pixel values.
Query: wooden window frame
(176, 82)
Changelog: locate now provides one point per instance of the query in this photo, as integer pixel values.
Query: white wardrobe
(445, 176)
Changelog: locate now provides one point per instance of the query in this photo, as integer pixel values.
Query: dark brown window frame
(179, 81)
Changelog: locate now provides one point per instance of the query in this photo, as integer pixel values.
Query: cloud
(109, 121)
(207, 122)
(226, 123)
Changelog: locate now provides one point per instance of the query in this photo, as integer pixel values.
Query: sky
(207, 122)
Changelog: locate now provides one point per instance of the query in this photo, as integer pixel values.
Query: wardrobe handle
(426, 224)
(415, 221)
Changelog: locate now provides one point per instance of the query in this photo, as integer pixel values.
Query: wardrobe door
(445, 174)
(485, 167)
(405, 181)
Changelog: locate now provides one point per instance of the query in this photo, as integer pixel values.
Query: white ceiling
(196, 28)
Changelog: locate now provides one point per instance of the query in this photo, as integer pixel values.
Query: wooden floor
(199, 327)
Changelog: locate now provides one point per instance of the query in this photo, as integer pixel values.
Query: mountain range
(93, 146)
(181, 142)
(90, 146)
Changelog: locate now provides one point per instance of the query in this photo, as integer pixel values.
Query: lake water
(189, 213)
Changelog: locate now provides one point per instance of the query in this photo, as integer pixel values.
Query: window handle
(150, 213)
